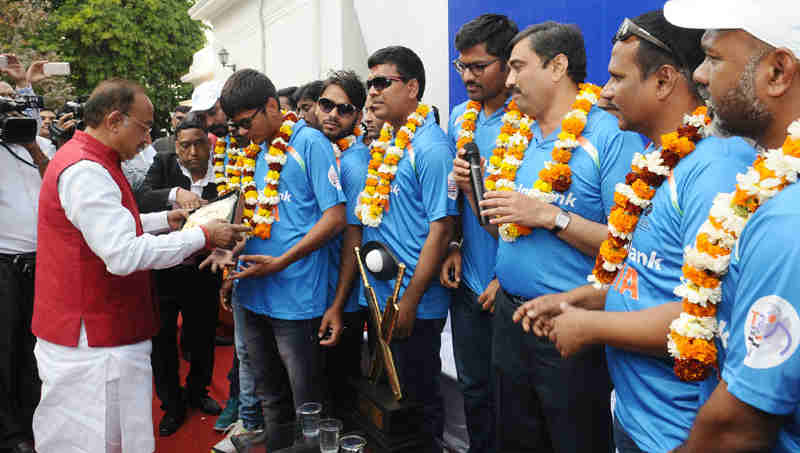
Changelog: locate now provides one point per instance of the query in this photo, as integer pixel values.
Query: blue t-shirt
(758, 316)
(541, 263)
(655, 408)
(479, 248)
(308, 186)
(353, 169)
(419, 196)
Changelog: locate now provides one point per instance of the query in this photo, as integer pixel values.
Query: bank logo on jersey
(771, 331)
(566, 200)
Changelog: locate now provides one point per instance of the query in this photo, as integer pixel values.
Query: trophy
(392, 422)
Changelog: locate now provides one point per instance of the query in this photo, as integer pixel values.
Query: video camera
(61, 136)
(15, 126)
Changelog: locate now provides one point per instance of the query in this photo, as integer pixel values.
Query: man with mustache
(538, 408)
(372, 125)
(650, 91)
(482, 63)
(752, 73)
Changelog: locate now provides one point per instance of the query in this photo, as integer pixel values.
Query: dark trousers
(343, 361)
(545, 403)
(472, 348)
(419, 367)
(194, 294)
(20, 386)
(287, 365)
(623, 441)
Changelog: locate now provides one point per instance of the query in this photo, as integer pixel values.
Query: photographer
(22, 164)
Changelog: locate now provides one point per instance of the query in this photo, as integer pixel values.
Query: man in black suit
(183, 288)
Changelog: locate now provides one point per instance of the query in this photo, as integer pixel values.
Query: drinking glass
(329, 430)
(352, 443)
(308, 414)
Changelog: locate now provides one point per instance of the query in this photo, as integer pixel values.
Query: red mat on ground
(197, 434)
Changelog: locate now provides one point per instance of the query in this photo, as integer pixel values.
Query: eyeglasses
(628, 28)
(381, 83)
(327, 106)
(475, 68)
(197, 144)
(245, 123)
(141, 124)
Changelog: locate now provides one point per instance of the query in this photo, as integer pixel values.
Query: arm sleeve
(615, 163)
(434, 163)
(353, 176)
(92, 201)
(323, 174)
(762, 364)
(154, 195)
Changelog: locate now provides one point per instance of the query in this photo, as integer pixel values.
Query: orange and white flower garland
(633, 196)
(223, 173)
(466, 134)
(374, 199)
(263, 216)
(341, 145)
(691, 336)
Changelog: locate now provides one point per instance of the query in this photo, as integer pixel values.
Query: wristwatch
(562, 221)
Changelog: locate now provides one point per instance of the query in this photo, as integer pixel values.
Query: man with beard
(752, 73)
(94, 313)
(482, 62)
(339, 110)
(651, 92)
(205, 100)
(537, 407)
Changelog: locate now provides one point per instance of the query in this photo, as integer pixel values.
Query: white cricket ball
(374, 261)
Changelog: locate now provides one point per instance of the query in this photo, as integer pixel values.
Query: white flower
(794, 130)
(611, 267)
(694, 326)
(716, 235)
(567, 144)
(618, 234)
(697, 121)
(588, 95)
(700, 260)
(653, 162)
(672, 348)
(698, 295)
(627, 190)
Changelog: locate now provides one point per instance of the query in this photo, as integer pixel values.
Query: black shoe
(206, 404)
(170, 423)
(250, 439)
(25, 446)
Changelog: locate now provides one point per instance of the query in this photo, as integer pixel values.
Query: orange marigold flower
(643, 190)
(700, 278)
(791, 147)
(745, 200)
(620, 200)
(623, 221)
(695, 348)
(506, 129)
(384, 190)
(704, 245)
(391, 159)
(761, 167)
(573, 125)
(691, 370)
(698, 310)
(561, 155)
(462, 142)
(582, 104)
(611, 254)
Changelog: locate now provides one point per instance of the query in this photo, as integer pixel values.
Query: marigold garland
(556, 176)
(631, 198)
(223, 173)
(691, 336)
(373, 201)
(341, 145)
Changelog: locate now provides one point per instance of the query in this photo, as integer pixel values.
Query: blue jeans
(286, 362)
(472, 348)
(545, 403)
(249, 403)
(623, 441)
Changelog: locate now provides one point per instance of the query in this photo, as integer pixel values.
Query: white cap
(206, 94)
(776, 22)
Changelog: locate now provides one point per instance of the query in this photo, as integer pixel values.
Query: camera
(15, 126)
(61, 136)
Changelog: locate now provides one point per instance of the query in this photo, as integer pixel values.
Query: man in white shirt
(93, 312)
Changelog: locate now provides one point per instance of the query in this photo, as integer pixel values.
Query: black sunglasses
(327, 106)
(245, 123)
(382, 82)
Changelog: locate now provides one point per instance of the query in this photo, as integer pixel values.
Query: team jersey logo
(452, 188)
(771, 331)
(333, 177)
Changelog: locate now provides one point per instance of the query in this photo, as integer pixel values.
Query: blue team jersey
(479, 248)
(353, 169)
(419, 196)
(758, 316)
(655, 408)
(308, 186)
(541, 263)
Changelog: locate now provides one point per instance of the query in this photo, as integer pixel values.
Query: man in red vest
(94, 313)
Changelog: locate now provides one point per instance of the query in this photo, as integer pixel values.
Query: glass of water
(352, 443)
(329, 430)
(308, 415)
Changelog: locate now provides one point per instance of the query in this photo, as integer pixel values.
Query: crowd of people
(623, 283)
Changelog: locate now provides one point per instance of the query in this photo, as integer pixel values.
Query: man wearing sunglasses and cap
(205, 99)
(410, 212)
(752, 73)
(650, 91)
(339, 110)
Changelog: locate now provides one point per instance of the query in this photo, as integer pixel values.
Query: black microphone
(473, 156)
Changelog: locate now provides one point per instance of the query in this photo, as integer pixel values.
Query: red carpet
(197, 434)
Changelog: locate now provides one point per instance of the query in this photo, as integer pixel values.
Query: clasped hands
(554, 316)
(506, 206)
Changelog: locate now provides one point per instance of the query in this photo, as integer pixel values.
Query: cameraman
(21, 168)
